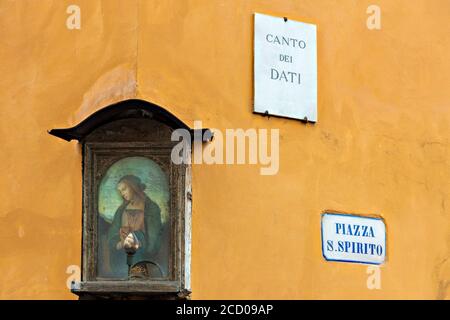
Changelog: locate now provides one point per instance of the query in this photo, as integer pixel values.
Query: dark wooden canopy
(127, 109)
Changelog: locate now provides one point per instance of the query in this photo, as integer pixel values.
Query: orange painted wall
(381, 145)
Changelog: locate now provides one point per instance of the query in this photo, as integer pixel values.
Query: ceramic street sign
(352, 238)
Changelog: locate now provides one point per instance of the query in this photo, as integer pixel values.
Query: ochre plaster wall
(381, 144)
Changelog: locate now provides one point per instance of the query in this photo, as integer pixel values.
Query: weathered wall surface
(381, 145)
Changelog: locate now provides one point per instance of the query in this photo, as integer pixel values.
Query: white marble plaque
(285, 68)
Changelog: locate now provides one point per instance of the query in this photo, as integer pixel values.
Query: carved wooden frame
(98, 157)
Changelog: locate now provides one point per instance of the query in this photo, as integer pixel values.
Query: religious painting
(133, 212)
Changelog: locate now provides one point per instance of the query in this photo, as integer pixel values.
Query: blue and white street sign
(352, 238)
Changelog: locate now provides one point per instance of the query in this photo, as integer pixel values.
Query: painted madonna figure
(136, 223)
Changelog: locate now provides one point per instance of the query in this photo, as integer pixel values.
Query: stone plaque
(285, 68)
